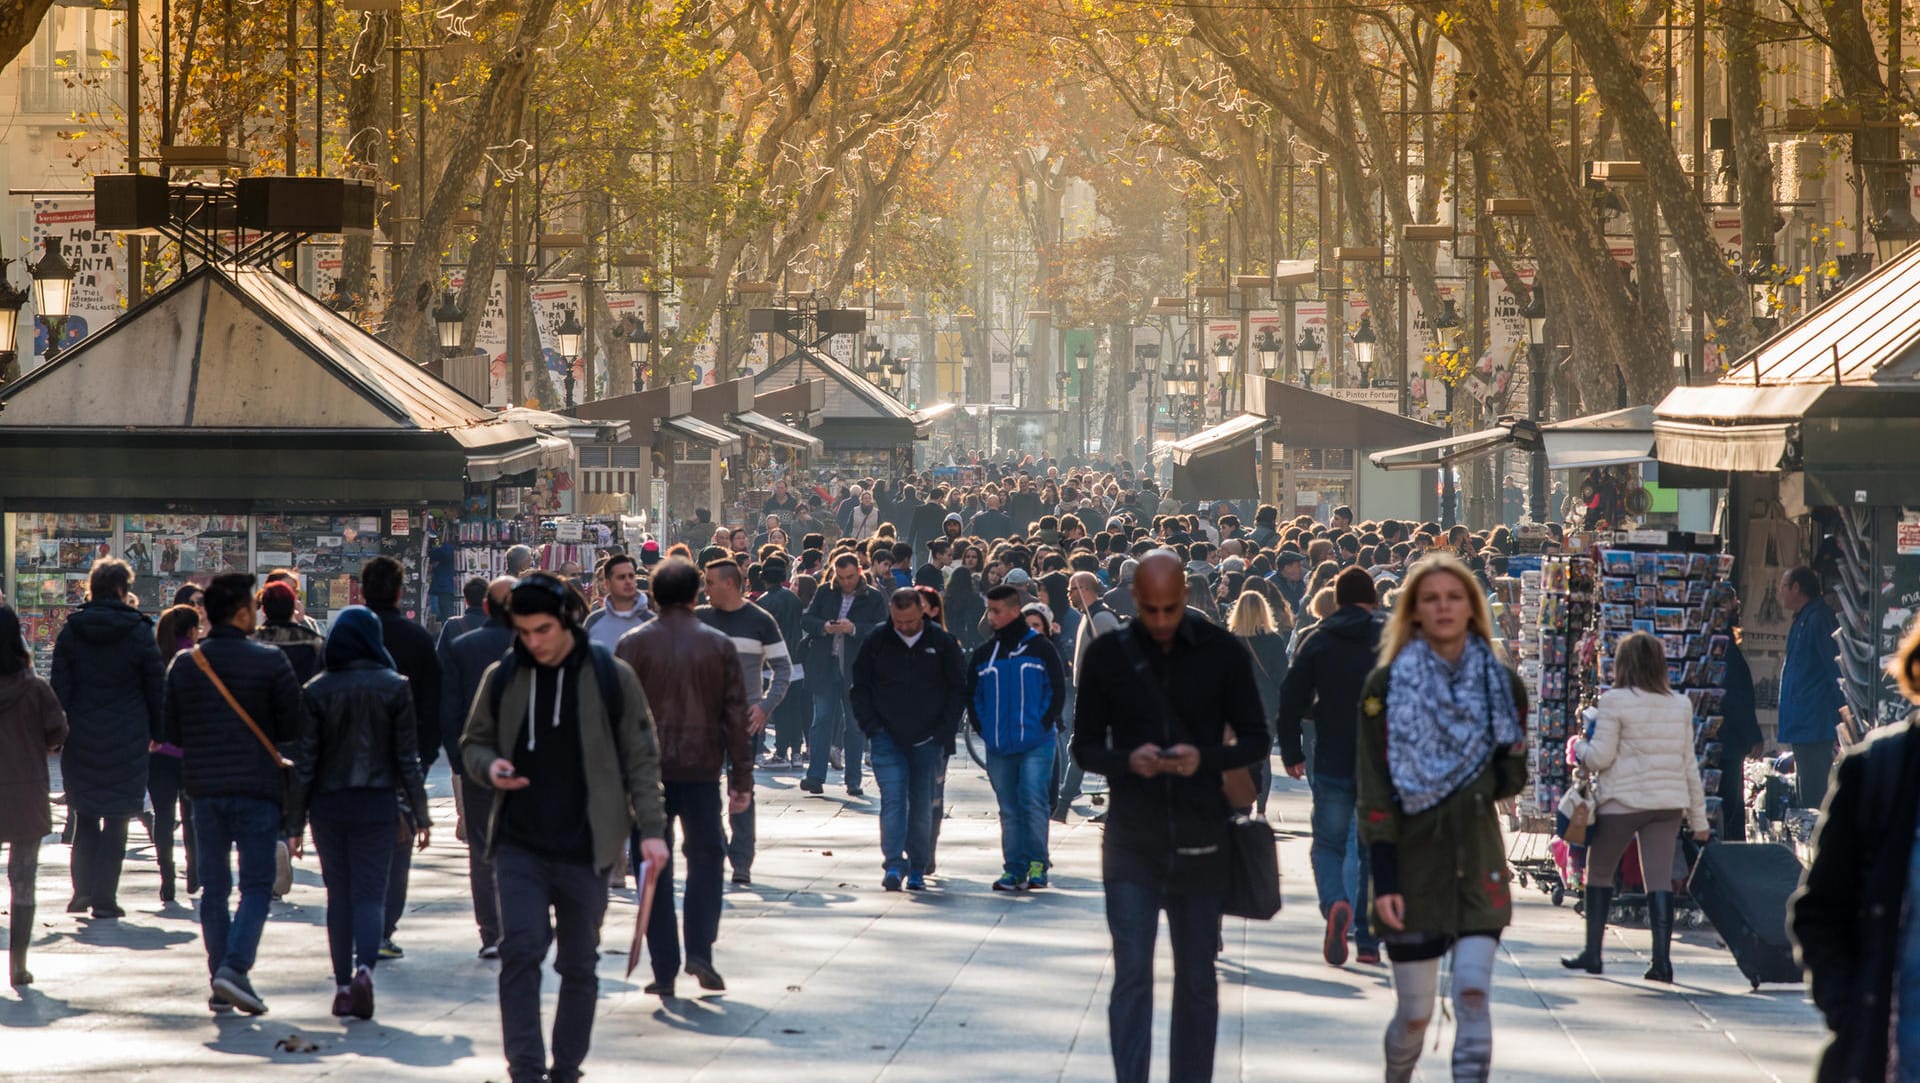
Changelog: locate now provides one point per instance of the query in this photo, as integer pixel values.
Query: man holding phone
(838, 619)
(572, 774)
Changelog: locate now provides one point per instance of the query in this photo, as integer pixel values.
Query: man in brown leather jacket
(692, 677)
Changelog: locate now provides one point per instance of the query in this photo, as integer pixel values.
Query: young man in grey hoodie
(624, 608)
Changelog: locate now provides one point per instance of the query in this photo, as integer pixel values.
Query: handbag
(1578, 807)
(1253, 857)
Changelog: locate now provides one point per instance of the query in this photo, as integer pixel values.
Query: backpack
(604, 675)
(1011, 699)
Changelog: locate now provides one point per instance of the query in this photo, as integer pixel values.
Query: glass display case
(52, 553)
(168, 552)
(327, 550)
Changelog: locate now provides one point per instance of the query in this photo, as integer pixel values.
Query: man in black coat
(107, 674)
(463, 661)
(842, 614)
(909, 690)
(1156, 699)
(990, 523)
(1847, 916)
(926, 524)
(236, 783)
(1323, 681)
(381, 581)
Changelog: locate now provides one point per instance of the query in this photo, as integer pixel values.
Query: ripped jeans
(1417, 983)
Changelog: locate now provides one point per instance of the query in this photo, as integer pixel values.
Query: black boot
(1660, 920)
(19, 933)
(1598, 899)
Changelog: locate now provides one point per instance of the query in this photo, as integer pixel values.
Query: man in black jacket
(1155, 701)
(1323, 681)
(463, 662)
(842, 614)
(234, 780)
(381, 581)
(990, 523)
(909, 690)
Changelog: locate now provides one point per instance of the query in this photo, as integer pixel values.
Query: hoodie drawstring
(533, 696)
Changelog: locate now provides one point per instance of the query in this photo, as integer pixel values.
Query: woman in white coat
(1648, 781)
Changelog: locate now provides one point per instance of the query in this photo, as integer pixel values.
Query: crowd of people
(1079, 622)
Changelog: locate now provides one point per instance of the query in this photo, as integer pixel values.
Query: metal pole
(1536, 396)
(130, 56)
(516, 297)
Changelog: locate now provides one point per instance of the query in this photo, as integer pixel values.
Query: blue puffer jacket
(106, 671)
(221, 758)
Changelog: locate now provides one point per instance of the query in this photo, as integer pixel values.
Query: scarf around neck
(1444, 721)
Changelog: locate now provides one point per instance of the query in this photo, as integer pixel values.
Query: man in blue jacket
(1809, 684)
(1018, 687)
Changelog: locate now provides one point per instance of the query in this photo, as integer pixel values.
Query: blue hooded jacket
(355, 636)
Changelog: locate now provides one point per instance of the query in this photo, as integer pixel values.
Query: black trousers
(99, 848)
(171, 809)
(544, 902)
(476, 799)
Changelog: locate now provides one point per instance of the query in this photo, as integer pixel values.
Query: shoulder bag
(273, 750)
(1253, 858)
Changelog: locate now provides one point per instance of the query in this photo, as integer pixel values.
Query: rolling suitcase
(1743, 888)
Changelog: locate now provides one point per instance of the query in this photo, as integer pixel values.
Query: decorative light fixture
(567, 336)
(633, 331)
(1080, 359)
(12, 300)
(1894, 231)
(1307, 355)
(450, 319)
(1268, 347)
(874, 351)
(1363, 343)
(1447, 323)
(1535, 313)
(1223, 355)
(53, 293)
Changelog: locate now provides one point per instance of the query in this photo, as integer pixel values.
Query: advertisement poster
(490, 335)
(322, 277)
(96, 260)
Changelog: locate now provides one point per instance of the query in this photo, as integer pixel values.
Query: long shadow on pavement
(35, 1009)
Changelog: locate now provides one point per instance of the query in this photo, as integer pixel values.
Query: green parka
(1451, 859)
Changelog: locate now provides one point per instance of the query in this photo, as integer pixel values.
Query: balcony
(64, 91)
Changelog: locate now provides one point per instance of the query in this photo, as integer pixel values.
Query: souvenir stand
(270, 432)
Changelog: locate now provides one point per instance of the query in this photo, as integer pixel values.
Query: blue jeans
(1193, 924)
(222, 824)
(908, 778)
(355, 845)
(1023, 783)
(698, 806)
(1335, 832)
(833, 717)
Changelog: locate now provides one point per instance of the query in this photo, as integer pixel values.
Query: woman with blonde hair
(1648, 779)
(1440, 742)
(1252, 620)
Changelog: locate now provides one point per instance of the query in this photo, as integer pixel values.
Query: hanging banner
(96, 259)
(490, 335)
(320, 277)
(620, 308)
(1506, 338)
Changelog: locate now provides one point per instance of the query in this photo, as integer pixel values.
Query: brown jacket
(691, 674)
(32, 726)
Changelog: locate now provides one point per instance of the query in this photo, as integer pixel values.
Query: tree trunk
(19, 22)
(369, 150)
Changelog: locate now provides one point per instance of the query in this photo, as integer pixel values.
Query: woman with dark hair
(174, 632)
(936, 605)
(358, 750)
(1648, 780)
(32, 727)
(965, 606)
(107, 673)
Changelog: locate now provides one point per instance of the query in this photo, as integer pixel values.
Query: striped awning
(601, 481)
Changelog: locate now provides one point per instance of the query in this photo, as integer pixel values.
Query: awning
(1761, 448)
(577, 429)
(1437, 453)
(937, 412)
(1313, 419)
(1227, 434)
(556, 452)
(484, 466)
(692, 428)
(778, 431)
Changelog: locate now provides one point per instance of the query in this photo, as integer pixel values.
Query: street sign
(1380, 398)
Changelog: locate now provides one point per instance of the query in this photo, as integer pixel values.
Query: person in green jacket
(1440, 741)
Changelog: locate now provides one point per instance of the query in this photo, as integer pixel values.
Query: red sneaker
(1339, 920)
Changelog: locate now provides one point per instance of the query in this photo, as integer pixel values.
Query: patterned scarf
(1443, 720)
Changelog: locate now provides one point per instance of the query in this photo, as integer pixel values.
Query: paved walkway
(831, 979)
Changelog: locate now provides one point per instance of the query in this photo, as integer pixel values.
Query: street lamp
(12, 300)
(1363, 341)
(897, 375)
(568, 336)
(1022, 363)
(1081, 359)
(1307, 355)
(450, 319)
(874, 351)
(1535, 313)
(1268, 347)
(633, 332)
(1894, 231)
(1759, 279)
(53, 293)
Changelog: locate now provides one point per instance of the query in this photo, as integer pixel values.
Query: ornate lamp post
(568, 336)
(1307, 355)
(1267, 346)
(1535, 313)
(12, 300)
(450, 320)
(53, 293)
(1363, 344)
(633, 332)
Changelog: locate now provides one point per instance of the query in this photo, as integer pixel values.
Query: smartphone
(509, 773)
(1168, 754)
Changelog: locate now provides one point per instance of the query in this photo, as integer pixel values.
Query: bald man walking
(1156, 700)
